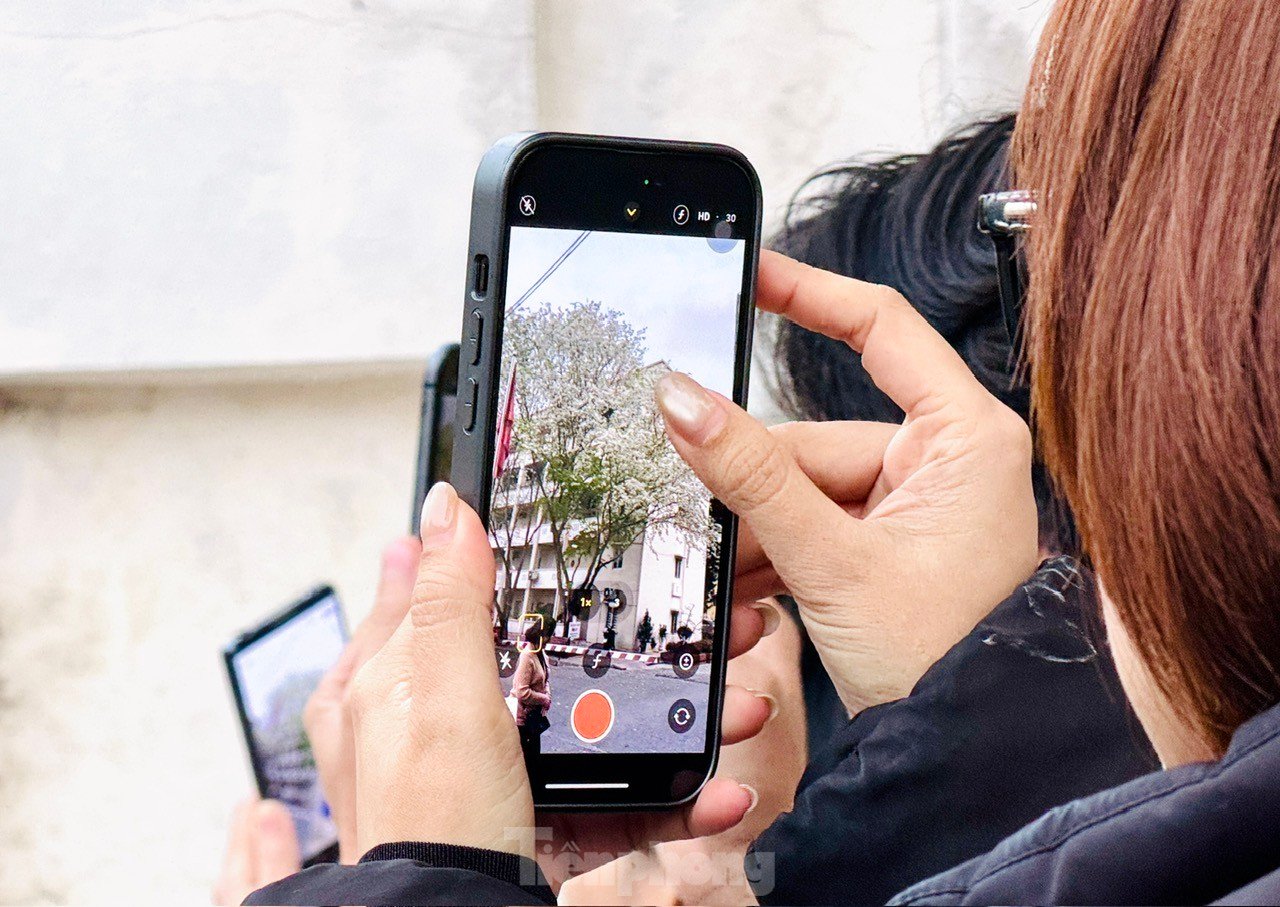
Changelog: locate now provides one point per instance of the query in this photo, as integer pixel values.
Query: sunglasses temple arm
(1010, 288)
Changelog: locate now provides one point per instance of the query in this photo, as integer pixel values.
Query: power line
(577, 241)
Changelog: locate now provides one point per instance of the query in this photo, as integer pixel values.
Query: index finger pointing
(903, 354)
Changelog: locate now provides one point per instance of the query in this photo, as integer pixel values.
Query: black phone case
(473, 448)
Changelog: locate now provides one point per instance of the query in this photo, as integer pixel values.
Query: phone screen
(274, 671)
(607, 545)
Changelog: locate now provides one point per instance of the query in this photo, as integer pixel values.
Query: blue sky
(680, 290)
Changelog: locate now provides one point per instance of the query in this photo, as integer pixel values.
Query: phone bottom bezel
(654, 780)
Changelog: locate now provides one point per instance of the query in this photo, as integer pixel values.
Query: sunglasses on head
(1005, 216)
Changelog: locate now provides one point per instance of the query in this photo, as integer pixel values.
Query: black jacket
(1187, 836)
(888, 798)
(1020, 716)
(1192, 835)
(414, 873)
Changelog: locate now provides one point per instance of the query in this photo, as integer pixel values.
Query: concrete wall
(142, 527)
(226, 182)
(233, 230)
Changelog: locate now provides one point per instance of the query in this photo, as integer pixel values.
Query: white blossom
(586, 416)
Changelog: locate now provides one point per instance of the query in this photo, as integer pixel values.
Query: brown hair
(1151, 133)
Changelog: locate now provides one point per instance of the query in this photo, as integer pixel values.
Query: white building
(660, 573)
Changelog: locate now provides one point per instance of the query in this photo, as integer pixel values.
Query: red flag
(505, 427)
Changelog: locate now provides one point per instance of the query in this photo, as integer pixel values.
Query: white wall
(139, 528)
(232, 231)
(227, 182)
(792, 84)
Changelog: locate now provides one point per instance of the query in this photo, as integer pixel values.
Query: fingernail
(753, 794)
(439, 515)
(772, 619)
(773, 703)
(690, 410)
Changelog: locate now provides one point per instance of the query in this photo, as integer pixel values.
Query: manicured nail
(753, 794)
(439, 515)
(690, 410)
(772, 619)
(772, 703)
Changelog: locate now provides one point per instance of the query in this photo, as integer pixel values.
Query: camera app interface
(276, 675)
(606, 548)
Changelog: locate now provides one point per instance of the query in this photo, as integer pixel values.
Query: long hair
(909, 222)
(1151, 133)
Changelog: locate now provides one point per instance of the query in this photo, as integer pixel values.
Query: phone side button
(469, 403)
(474, 337)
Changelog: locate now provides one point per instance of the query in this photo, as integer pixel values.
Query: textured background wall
(233, 231)
(231, 182)
(141, 527)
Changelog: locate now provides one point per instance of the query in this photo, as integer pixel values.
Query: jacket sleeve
(415, 873)
(996, 733)
(522, 686)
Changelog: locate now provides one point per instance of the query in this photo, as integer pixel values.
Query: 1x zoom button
(469, 403)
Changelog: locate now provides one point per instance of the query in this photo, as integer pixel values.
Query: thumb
(749, 470)
(437, 755)
(442, 651)
(451, 614)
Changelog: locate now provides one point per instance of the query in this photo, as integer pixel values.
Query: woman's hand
(709, 869)
(437, 755)
(436, 752)
(894, 541)
(585, 840)
(262, 848)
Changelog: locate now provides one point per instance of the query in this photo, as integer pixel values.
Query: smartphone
(435, 428)
(273, 669)
(595, 266)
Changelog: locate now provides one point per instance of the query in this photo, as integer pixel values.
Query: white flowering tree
(513, 529)
(585, 412)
